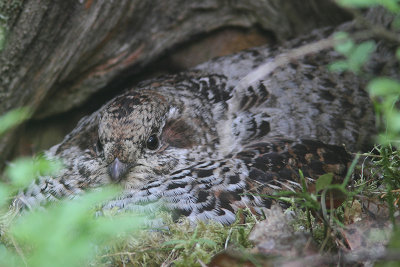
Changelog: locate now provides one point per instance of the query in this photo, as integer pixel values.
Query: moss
(9, 10)
(182, 243)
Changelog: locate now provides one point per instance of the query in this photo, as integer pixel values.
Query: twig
(125, 253)
(202, 264)
(294, 54)
(282, 60)
(227, 239)
(376, 29)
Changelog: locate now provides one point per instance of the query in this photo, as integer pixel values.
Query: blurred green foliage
(355, 54)
(385, 93)
(13, 118)
(391, 5)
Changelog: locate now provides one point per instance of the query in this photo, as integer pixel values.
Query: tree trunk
(59, 53)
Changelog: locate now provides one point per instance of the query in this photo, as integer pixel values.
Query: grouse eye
(152, 142)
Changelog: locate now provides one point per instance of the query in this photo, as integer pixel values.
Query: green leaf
(13, 118)
(338, 66)
(391, 5)
(357, 3)
(398, 51)
(314, 197)
(24, 170)
(360, 55)
(383, 87)
(286, 199)
(393, 121)
(396, 23)
(323, 181)
(343, 44)
(384, 138)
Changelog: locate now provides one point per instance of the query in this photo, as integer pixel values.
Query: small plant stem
(387, 178)
(350, 171)
(377, 30)
(327, 232)
(309, 220)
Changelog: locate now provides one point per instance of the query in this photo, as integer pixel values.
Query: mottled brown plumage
(196, 145)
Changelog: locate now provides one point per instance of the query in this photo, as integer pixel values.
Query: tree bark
(59, 53)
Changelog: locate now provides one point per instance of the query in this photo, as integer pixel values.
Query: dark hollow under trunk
(63, 55)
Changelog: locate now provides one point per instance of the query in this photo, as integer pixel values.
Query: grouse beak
(118, 170)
